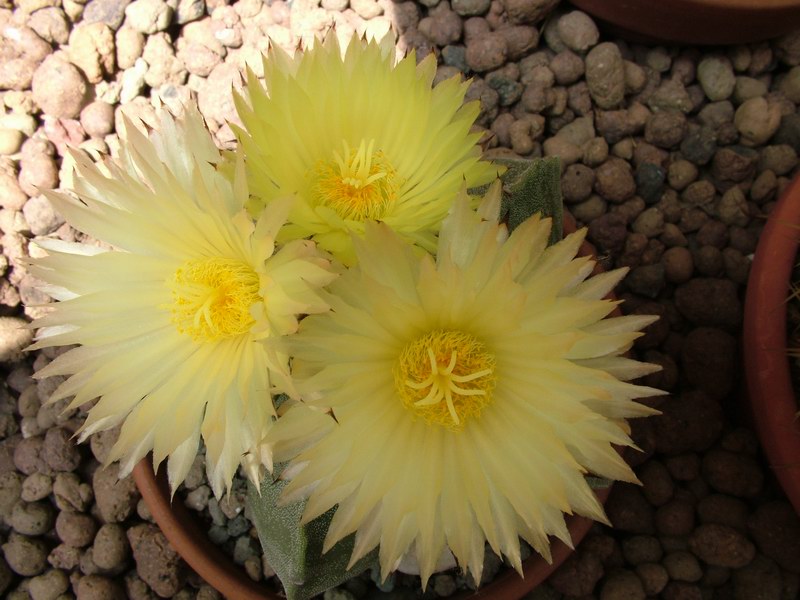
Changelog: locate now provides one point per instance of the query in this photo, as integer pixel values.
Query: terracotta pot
(772, 398)
(187, 536)
(696, 21)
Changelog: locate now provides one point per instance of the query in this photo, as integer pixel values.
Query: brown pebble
(10, 492)
(97, 587)
(614, 180)
(741, 440)
(721, 545)
(699, 193)
(487, 52)
(567, 67)
(603, 547)
(136, 589)
(38, 173)
(59, 88)
(734, 474)
(710, 358)
(64, 557)
(639, 549)
(622, 585)
(723, 510)
(657, 485)
(97, 118)
(102, 442)
(48, 586)
(712, 233)
(670, 206)
(614, 125)
(70, 493)
(679, 590)
(683, 467)
(734, 164)
(779, 158)
(116, 498)
(578, 31)
(528, 11)
(775, 527)
(690, 422)
(520, 39)
(707, 301)
(580, 102)
(156, 562)
(36, 486)
(680, 174)
(578, 575)
(26, 556)
(605, 75)
(714, 576)
(682, 566)
(743, 240)
(576, 183)
(588, 211)
(665, 129)
(501, 127)
(608, 232)
(31, 518)
(733, 209)
(654, 577)
(692, 218)
(675, 518)
(59, 450)
(76, 529)
(628, 510)
(474, 28)
(111, 548)
(27, 456)
(678, 265)
(764, 187)
(760, 579)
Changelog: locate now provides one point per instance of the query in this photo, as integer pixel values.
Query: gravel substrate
(672, 157)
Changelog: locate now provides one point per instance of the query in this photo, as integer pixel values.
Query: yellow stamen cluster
(212, 298)
(360, 184)
(445, 377)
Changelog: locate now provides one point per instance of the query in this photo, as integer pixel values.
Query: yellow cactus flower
(358, 137)
(176, 323)
(472, 393)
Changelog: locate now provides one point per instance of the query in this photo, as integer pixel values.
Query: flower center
(358, 184)
(445, 377)
(212, 298)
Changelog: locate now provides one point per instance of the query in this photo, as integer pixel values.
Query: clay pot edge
(770, 392)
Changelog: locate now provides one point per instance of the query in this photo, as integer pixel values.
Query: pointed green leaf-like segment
(294, 551)
(529, 187)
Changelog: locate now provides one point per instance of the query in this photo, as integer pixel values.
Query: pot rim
(186, 535)
(769, 386)
(697, 22)
(188, 539)
(741, 7)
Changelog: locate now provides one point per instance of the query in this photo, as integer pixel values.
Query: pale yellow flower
(176, 324)
(358, 137)
(471, 393)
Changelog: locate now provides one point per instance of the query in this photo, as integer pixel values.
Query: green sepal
(598, 483)
(295, 551)
(531, 186)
